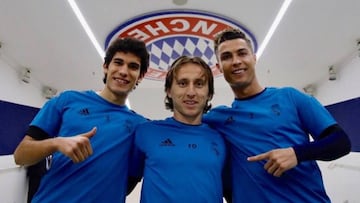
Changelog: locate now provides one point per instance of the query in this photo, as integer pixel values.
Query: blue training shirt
(102, 177)
(180, 162)
(275, 118)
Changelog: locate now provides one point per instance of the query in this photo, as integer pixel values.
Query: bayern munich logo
(173, 33)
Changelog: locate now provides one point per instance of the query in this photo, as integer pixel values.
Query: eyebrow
(122, 60)
(238, 50)
(118, 59)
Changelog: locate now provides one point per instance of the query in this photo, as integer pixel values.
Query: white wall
(13, 182)
(14, 90)
(345, 87)
(342, 176)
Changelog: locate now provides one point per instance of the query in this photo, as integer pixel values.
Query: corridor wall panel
(347, 113)
(14, 121)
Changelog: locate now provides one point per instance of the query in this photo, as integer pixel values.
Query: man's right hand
(77, 148)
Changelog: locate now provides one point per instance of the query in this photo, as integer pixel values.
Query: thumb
(90, 133)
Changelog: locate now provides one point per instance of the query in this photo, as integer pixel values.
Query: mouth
(190, 102)
(239, 71)
(121, 81)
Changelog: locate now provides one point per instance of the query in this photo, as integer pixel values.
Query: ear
(105, 68)
(218, 67)
(168, 93)
(139, 80)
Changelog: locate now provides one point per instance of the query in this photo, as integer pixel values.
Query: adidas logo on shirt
(84, 112)
(229, 120)
(167, 142)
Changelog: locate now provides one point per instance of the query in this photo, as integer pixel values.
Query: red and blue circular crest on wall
(173, 33)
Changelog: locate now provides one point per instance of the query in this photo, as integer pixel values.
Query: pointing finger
(258, 157)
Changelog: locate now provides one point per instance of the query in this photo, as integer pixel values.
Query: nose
(123, 70)
(236, 60)
(191, 91)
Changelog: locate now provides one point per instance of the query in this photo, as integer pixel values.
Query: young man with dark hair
(91, 166)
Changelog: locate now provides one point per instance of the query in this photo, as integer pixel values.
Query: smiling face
(237, 63)
(189, 93)
(122, 74)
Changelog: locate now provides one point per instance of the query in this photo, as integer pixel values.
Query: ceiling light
(273, 27)
(86, 27)
(89, 33)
